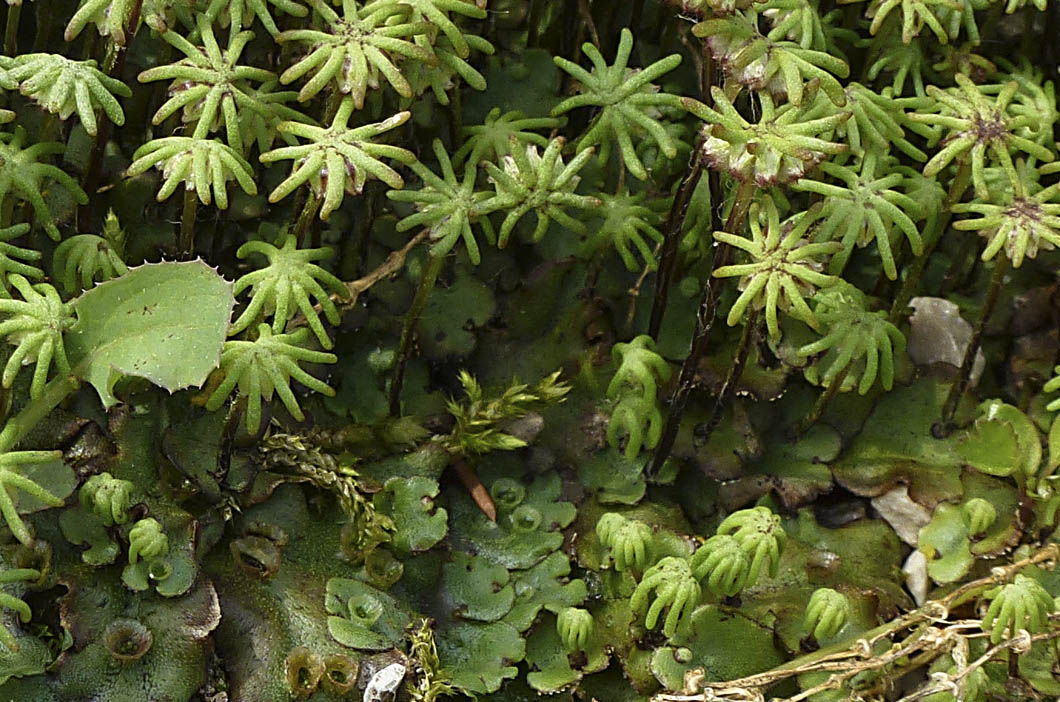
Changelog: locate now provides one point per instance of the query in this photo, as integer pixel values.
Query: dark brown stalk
(678, 210)
(587, 18)
(671, 237)
(820, 406)
(113, 64)
(419, 302)
(14, 14)
(188, 214)
(946, 426)
(739, 362)
(533, 22)
(705, 314)
(304, 223)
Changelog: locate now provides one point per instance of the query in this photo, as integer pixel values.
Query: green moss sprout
(290, 277)
(626, 98)
(257, 369)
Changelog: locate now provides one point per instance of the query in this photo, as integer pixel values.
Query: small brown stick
(393, 263)
(847, 659)
(587, 18)
(478, 491)
(671, 239)
(704, 322)
(634, 292)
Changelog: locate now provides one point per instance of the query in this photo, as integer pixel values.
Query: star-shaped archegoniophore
(915, 14)
(1035, 100)
(63, 86)
(23, 176)
(977, 124)
(634, 390)
(236, 10)
(290, 277)
(626, 220)
(541, 183)
(112, 17)
(493, 138)
(801, 21)
(1017, 222)
(723, 563)
(203, 165)
(638, 365)
(109, 16)
(627, 99)
(876, 122)
(780, 148)
(35, 325)
(210, 85)
(575, 628)
(262, 128)
(906, 61)
(629, 540)
(266, 365)
(827, 613)
(436, 14)
(638, 419)
(783, 266)
(866, 208)
(782, 68)
(853, 335)
(447, 207)
(339, 159)
(441, 79)
(354, 49)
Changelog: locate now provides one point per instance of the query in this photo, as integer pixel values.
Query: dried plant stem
(479, 494)
(188, 213)
(113, 63)
(533, 22)
(393, 264)
(419, 303)
(587, 18)
(964, 376)
(739, 362)
(671, 237)
(928, 634)
(304, 223)
(820, 406)
(634, 292)
(705, 314)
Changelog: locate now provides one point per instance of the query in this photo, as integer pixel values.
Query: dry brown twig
(930, 635)
(393, 264)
